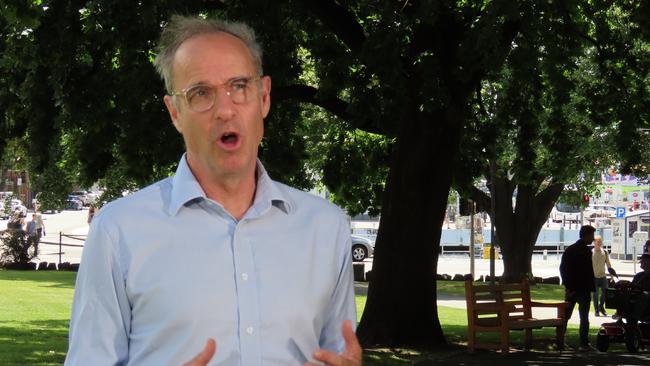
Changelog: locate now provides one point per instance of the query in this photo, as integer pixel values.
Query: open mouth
(229, 139)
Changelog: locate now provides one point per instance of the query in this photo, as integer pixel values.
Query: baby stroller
(622, 298)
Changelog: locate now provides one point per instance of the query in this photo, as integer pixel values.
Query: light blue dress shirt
(166, 268)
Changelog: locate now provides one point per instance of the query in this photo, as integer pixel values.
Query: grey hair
(181, 28)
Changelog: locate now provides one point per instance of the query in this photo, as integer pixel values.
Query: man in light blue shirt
(219, 251)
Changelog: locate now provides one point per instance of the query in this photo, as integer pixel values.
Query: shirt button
(244, 276)
(249, 330)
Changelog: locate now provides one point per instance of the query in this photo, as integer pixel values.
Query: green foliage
(554, 113)
(14, 247)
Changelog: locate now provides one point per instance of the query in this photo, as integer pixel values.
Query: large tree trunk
(517, 230)
(401, 304)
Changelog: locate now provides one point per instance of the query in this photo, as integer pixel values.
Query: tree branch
(309, 94)
(334, 105)
(339, 20)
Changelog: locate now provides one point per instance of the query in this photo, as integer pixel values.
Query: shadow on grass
(55, 279)
(34, 343)
(544, 351)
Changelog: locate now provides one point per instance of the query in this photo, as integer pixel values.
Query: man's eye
(239, 85)
(199, 92)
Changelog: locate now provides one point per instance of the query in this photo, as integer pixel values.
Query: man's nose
(224, 108)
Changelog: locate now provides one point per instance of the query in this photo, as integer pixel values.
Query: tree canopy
(555, 116)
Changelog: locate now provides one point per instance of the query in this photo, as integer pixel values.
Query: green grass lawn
(34, 317)
(35, 309)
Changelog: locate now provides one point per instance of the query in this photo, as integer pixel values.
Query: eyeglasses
(201, 97)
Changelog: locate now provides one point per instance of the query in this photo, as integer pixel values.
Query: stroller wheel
(632, 339)
(602, 342)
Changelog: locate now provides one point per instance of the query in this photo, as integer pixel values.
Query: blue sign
(620, 212)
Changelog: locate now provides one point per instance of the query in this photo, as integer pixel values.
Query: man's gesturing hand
(351, 356)
(205, 356)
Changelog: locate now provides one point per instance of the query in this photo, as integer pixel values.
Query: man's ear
(173, 112)
(266, 95)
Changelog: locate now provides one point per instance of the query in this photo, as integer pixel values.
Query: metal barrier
(548, 248)
(61, 244)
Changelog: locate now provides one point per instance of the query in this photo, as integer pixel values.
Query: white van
(565, 212)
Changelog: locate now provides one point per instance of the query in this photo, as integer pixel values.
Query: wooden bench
(501, 308)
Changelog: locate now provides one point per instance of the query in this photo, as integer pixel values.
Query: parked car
(362, 248)
(81, 196)
(92, 198)
(73, 203)
(565, 212)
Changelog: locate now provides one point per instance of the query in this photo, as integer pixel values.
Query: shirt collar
(186, 189)
(269, 193)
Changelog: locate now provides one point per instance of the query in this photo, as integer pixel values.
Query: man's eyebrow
(230, 80)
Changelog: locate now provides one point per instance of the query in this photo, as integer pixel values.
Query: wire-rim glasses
(201, 97)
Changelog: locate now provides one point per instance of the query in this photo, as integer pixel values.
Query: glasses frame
(224, 86)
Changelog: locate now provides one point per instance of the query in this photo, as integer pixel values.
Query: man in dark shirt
(641, 281)
(578, 279)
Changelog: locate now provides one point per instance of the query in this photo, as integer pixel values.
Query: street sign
(620, 212)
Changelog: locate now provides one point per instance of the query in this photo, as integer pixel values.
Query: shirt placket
(247, 297)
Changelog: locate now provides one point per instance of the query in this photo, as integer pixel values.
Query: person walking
(34, 233)
(601, 266)
(577, 275)
(91, 214)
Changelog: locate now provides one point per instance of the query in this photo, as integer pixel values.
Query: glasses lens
(239, 90)
(200, 98)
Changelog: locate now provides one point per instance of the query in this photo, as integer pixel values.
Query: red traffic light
(585, 198)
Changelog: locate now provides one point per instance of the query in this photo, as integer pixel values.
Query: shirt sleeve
(342, 305)
(100, 321)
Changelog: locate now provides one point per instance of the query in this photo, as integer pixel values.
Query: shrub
(14, 247)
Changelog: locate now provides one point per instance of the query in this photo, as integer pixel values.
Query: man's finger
(350, 356)
(352, 346)
(205, 356)
(328, 358)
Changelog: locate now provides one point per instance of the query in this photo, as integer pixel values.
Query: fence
(61, 244)
(545, 248)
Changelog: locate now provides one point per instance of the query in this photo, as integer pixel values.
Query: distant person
(219, 251)
(601, 266)
(641, 302)
(40, 225)
(16, 221)
(91, 214)
(34, 233)
(577, 274)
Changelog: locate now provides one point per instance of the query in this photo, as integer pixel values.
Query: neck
(236, 196)
(234, 192)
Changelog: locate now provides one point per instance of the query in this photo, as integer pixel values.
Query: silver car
(362, 248)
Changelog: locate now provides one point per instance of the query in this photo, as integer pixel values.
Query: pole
(60, 250)
(493, 240)
(471, 239)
